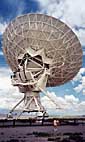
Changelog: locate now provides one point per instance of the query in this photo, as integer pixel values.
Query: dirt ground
(28, 133)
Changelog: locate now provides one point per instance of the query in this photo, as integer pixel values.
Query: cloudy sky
(70, 97)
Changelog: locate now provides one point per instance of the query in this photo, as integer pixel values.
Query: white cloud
(78, 88)
(82, 71)
(80, 77)
(81, 35)
(9, 95)
(83, 91)
(71, 99)
(4, 78)
(2, 27)
(83, 81)
(70, 11)
(84, 53)
(81, 106)
(1, 53)
(68, 105)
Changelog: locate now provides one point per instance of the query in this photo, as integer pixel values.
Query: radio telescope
(42, 52)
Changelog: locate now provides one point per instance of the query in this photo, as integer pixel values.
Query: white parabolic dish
(38, 31)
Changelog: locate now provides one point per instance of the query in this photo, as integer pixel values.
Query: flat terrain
(38, 133)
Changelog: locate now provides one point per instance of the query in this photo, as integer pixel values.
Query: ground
(43, 133)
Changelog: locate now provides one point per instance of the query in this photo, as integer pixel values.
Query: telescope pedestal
(31, 102)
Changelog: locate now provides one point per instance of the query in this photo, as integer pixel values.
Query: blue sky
(72, 94)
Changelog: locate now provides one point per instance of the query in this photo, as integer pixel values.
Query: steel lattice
(39, 31)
